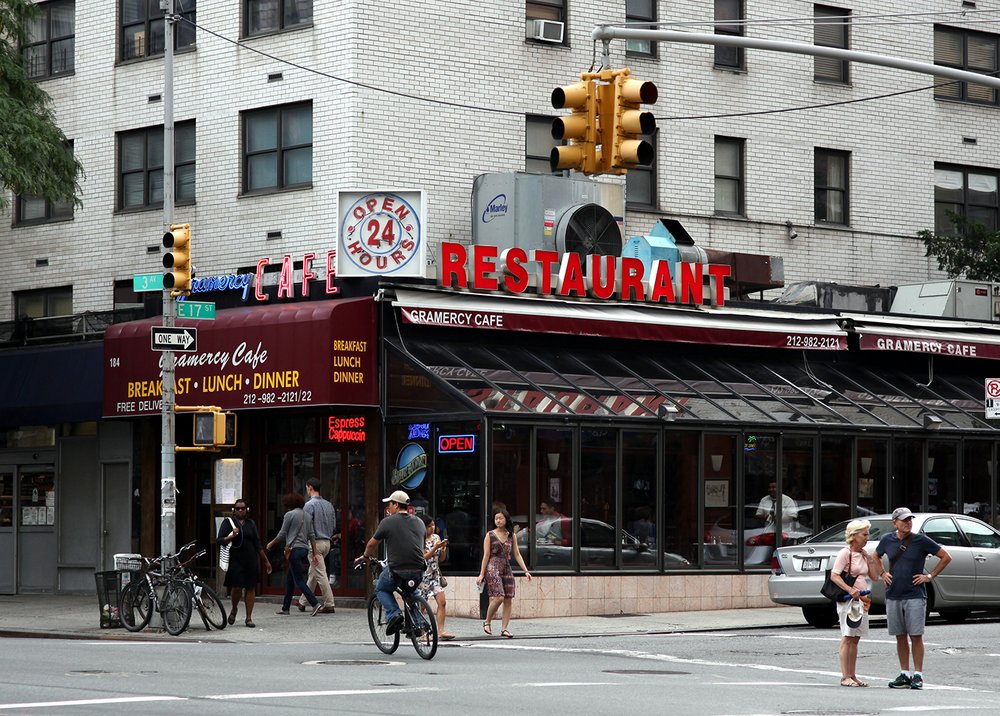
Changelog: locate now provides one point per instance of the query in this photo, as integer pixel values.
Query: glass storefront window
(834, 482)
(598, 497)
(554, 492)
(720, 504)
(38, 497)
(978, 470)
(638, 498)
(512, 476)
(906, 485)
(770, 512)
(354, 530)
(680, 499)
(871, 470)
(942, 476)
(797, 482)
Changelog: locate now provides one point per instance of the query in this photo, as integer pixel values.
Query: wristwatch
(930, 576)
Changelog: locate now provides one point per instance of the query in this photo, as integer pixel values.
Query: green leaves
(973, 251)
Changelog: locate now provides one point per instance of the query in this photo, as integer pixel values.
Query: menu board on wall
(228, 480)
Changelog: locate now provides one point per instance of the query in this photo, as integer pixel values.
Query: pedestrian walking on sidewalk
(324, 522)
(433, 583)
(905, 594)
(498, 545)
(297, 535)
(853, 612)
(245, 555)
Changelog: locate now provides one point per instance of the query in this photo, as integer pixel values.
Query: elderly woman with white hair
(855, 561)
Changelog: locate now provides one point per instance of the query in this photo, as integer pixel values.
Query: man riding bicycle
(404, 537)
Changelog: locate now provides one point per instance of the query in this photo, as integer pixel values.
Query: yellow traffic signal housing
(579, 128)
(214, 429)
(177, 259)
(630, 123)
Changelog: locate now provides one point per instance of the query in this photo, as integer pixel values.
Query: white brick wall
(475, 54)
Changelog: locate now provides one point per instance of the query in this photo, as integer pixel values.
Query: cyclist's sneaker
(917, 682)
(394, 624)
(902, 682)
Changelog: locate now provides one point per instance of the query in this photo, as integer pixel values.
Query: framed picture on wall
(716, 493)
(866, 487)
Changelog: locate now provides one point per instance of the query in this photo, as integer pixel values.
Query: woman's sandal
(859, 682)
(446, 636)
(506, 634)
(849, 682)
(488, 628)
(232, 617)
(250, 624)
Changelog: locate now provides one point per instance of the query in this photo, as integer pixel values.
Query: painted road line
(91, 702)
(300, 694)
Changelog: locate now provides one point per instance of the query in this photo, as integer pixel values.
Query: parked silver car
(971, 581)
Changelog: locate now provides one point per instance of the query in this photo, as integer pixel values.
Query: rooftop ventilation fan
(588, 229)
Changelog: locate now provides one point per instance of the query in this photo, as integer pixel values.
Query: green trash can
(109, 592)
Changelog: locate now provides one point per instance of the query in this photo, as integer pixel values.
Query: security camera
(790, 230)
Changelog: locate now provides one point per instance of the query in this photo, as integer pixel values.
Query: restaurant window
(638, 499)
(832, 186)
(453, 488)
(140, 166)
(43, 302)
(872, 471)
(834, 482)
(51, 39)
(729, 21)
(553, 533)
(729, 176)
(831, 28)
(720, 501)
(640, 181)
(680, 500)
(277, 147)
(797, 463)
(942, 476)
(906, 485)
(142, 27)
(969, 192)
(638, 12)
(769, 512)
(538, 145)
(978, 468)
(512, 476)
(262, 16)
(966, 50)
(598, 498)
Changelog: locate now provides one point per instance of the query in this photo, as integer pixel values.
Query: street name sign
(165, 338)
(147, 282)
(204, 310)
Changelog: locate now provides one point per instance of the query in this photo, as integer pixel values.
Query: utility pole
(168, 479)
(606, 33)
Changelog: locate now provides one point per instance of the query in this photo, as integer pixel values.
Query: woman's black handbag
(831, 590)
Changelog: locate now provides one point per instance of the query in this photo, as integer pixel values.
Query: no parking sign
(993, 398)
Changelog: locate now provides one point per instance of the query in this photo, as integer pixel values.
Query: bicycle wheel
(176, 606)
(424, 630)
(210, 607)
(387, 643)
(136, 606)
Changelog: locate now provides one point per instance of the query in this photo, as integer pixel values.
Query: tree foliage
(973, 251)
(35, 156)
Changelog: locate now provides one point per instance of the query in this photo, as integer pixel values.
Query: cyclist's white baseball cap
(398, 496)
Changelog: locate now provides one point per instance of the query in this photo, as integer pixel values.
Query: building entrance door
(35, 508)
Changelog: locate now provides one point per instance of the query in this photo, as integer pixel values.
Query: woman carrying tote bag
(854, 560)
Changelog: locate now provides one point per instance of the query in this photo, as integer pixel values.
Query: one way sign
(164, 338)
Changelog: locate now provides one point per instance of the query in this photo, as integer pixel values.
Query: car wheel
(822, 617)
(954, 616)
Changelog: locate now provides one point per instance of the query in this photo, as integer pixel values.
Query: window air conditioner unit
(548, 31)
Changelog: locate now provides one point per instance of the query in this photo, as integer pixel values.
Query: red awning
(313, 353)
(714, 326)
(961, 339)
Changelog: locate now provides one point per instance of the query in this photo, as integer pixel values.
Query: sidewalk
(77, 617)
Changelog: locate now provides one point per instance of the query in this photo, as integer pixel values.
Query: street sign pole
(168, 479)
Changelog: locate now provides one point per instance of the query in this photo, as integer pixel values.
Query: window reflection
(554, 491)
(597, 498)
(638, 499)
(720, 494)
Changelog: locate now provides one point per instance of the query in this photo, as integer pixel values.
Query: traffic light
(630, 123)
(214, 429)
(580, 127)
(177, 259)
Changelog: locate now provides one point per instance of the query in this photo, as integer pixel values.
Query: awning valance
(960, 339)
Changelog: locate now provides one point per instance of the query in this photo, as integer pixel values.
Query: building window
(51, 38)
(142, 27)
(640, 181)
(637, 12)
(965, 50)
(552, 10)
(273, 15)
(969, 192)
(140, 166)
(729, 176)
(43, 302)
(538, 145)
(832, 172)
(31, 209)
(277, 147)
(831, 29)
(728, 21)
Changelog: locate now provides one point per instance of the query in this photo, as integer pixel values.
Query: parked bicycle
(169, 587)
(418, 620)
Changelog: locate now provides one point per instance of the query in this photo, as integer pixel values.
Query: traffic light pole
(168, 481)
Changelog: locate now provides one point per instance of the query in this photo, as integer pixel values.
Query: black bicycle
(418, 620)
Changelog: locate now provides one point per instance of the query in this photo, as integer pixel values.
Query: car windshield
(836, 533)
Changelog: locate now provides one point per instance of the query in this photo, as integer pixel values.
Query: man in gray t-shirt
(404, 537)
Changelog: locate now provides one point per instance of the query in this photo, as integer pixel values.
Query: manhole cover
(646, 672)
(354, 662)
